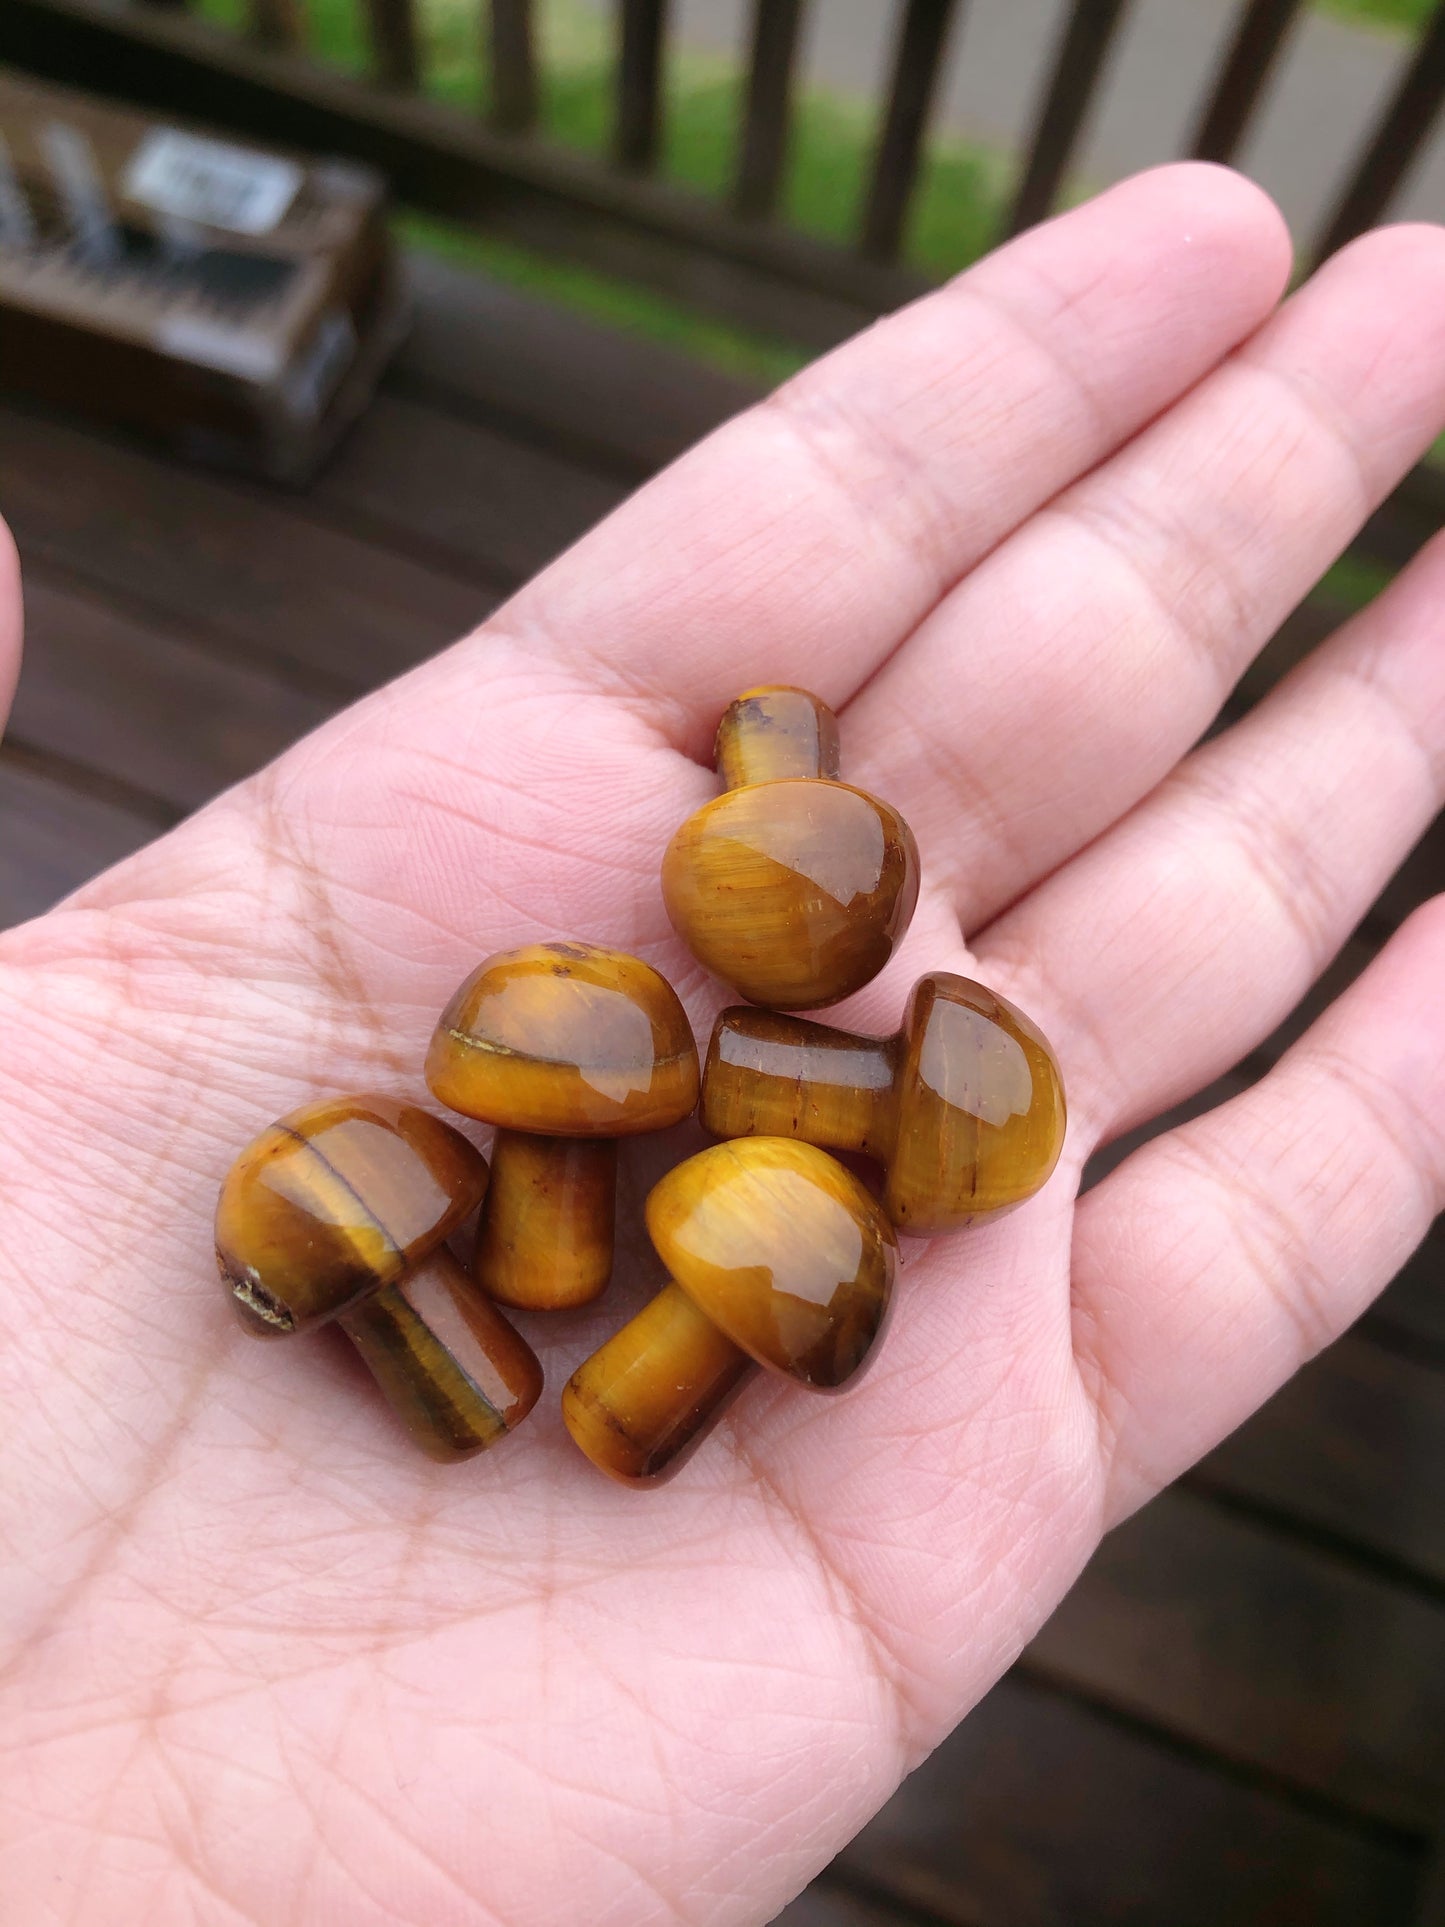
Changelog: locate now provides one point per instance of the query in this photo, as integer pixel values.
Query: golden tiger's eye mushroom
(965, 1105)
(793, 887)
(565, 1047)
(341, 1210)
(778, 1257)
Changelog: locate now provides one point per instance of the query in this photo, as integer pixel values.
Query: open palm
(264, 1662)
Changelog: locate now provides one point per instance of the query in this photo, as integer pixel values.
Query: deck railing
(732, 254)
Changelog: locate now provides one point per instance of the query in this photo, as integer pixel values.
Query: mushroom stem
(455, 1372)
(780, 1076)
(640, 1404)
(774, 733)
(545, 1238)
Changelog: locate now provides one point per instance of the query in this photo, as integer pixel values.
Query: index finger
(804, 540)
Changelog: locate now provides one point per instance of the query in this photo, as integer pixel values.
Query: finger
(1065, 677)
(1177, 942)
(1220, 1257)
(805, 539)
(10, 622)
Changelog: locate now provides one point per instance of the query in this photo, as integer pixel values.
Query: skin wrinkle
(1280, 858)
(884, 1663)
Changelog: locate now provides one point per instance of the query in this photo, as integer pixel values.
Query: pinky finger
(1220, 1257)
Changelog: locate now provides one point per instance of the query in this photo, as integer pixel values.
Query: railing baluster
(1398, 138)
(276, 23)
(917, 66)
(392, 26)
(776, 25)
(513, 105)
(639, 84)
(1231, 102)
(1072, 83)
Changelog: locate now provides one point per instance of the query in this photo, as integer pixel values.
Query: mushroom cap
(567, 1040)
(336, 1200)
(783, 1250)
(980, 1108)
(794, 892)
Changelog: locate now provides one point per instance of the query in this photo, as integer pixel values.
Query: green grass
(1393, 15)
(955, 213)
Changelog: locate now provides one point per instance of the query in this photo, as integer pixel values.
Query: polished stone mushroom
(964, 1106)
(341, 1210)
(792, 887)
(777, 1257)
(565, 1047)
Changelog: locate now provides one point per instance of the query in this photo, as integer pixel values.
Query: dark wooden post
(1397, 140)
(513, 66)
(639, 85)
(276, 23)
(776, 25)
(917, 65)
(1253, 52)
(392, 27)
(1072, 84)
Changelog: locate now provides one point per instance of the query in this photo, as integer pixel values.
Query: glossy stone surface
(566, 1040)
(965, 1105)
(340, 1210)
(641, 1405)
(458, 1375)
(549, 1042)
(793, 887)
(779, 1257)
(773, 732)
(783, 1250)
(545, 1238)
(336, 1200)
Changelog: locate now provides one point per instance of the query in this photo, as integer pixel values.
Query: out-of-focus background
(250, 479)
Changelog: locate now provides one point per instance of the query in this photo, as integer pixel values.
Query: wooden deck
(1237, 1716)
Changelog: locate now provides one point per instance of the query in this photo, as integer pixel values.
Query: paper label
(211, 182)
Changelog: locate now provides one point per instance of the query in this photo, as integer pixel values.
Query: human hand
(264, 1661)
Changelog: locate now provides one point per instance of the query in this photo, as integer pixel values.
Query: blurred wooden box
(235, 302)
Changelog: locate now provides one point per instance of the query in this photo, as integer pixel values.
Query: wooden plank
(1244, 72)
(754, 273)
(1301, 632)
(639, 84)
(1072, 84)
(253, 572)
(1353, 1446)
(1420, 876)
(144, 707)
(767, 116)
(826, 1904)
(468, 498)
(1394, 146)
(1430, 1904)
(1412, 1311)
(53, 837)
(513, 90)
(391, 24)
(917, 69)
(1039, 1811)
(1274, 1655)
(622, 403)
(1404, 523)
